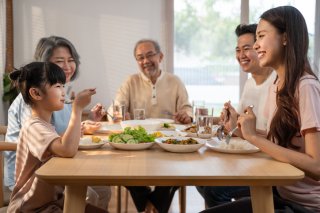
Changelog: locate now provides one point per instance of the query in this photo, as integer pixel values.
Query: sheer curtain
(3, 109)
(103, 32)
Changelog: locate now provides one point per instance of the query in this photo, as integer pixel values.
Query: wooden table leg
(182, 199)
(75, 199)
(262, 199)
(118, 195)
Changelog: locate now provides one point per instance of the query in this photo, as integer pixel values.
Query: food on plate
(168, 126)
(191, 129)
(132, 136)
(236, 145)
(158, 134)
(180, 142)
(206, 130)
(95, 139)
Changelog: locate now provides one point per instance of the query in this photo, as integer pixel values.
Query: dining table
(157, 167)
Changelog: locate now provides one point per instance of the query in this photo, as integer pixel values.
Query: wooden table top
(155, 166)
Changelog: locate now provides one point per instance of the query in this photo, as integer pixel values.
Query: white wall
(103, 31)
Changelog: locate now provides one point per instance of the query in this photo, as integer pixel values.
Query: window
(204, 45)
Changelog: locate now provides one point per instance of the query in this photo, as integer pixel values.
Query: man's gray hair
(154, 42)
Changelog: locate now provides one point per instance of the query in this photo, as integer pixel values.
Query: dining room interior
(197, 46)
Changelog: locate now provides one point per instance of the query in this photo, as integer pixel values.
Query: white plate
(236, 145)
(170, 133)
(138, 146)
(162, 120)
(109, 128)
(86, 143)
(149, 125)
(173, 127)
(193, 135)
(180, 147)
(180, 126)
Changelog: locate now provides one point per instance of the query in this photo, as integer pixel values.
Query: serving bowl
(149, 125)
(180, 147)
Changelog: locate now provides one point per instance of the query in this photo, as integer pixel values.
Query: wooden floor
(194, 202)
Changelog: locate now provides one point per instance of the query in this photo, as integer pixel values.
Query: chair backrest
(4, 146)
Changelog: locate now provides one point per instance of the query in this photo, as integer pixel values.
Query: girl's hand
(97, 112)
(83, 98)
(247, 123)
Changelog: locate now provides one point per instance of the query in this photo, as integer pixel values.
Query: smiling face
(270, 45)
(246, 55)
(53, 97)
(62, 57)
(148, 59)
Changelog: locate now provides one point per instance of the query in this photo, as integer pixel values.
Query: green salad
(132, 136)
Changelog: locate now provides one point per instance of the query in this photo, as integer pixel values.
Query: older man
(161, 94)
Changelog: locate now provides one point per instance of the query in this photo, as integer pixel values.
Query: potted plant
(10, 92)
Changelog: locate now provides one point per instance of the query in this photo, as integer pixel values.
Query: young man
(255, 93)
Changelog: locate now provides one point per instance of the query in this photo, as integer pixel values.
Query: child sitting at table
(42, 87)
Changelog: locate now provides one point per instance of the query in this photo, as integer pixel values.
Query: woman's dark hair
(290, 22)
(47, 45)
(37, 75)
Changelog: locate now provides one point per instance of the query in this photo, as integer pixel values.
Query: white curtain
(3, 112)
(104, 33)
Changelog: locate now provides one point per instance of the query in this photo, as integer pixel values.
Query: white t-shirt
(256, 95)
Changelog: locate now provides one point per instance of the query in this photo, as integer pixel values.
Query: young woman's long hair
(288, 20)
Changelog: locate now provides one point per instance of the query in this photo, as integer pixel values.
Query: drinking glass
(204, 126)
(139, 114)
(119, 111)
(197, 104)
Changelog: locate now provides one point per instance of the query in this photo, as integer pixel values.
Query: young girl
(42, 87)
(63, 53)
(293, 110)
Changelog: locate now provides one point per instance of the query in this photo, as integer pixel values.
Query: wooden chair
(4, 146)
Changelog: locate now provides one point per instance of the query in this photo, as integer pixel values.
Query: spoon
(220, 132)
(229, 135)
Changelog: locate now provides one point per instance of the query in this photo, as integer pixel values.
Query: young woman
(62, 52)
(42, 87)
(293, 110)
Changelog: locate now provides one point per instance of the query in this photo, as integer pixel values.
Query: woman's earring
(284, 43)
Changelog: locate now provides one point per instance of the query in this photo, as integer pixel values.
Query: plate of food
(149, 125)
(236, 145)
(91, 142)
(162, 120)
(191, 131)
(132, 139)
(180, 144)
(167, 133)
(109, 128)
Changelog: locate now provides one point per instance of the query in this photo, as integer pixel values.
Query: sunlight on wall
(38, 25)
(122, 38)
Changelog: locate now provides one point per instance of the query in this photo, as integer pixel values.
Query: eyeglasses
(149, 56)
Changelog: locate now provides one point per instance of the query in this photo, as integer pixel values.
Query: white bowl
(149, 125)
(137, 146)
(180, 147)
